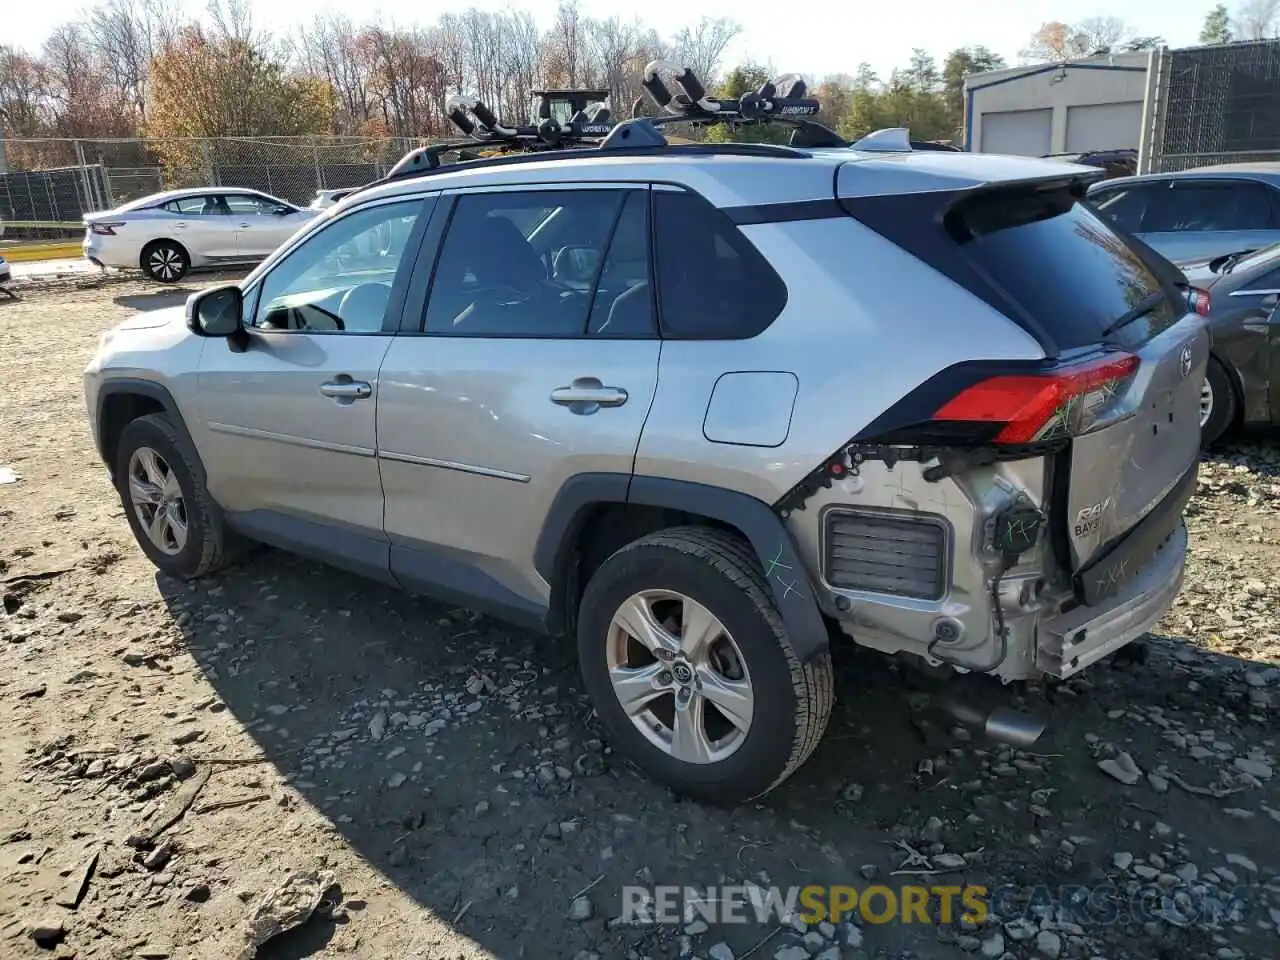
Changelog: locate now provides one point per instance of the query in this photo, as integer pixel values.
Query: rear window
(1063, 266)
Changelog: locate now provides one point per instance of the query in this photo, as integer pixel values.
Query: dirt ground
(436, 780)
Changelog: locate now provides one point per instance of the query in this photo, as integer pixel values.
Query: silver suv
(709, 409)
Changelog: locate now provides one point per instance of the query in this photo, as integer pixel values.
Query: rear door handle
(345, 390)
(587, 395)
(245, 225)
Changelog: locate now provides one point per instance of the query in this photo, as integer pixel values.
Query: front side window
(339, 279)
(533, 264)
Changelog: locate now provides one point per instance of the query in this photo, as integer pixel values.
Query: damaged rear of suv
(708, 409)
(1017, 516)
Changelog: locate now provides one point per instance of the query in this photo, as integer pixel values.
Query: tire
(791, 700)
(165, 261)
(205, 546)
(1222, 397)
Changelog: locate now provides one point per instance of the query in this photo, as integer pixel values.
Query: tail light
(1198, 300)
(1033, 408)
(103, 228)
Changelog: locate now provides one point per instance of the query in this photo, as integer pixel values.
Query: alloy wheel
(157, 500)
(679, 676)
(1206, 402)
(166, 263)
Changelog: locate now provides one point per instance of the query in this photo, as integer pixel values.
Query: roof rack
(780, 101)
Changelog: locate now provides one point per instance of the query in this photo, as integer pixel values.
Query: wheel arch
(125, 399)
(626, 507)
(1235, 381)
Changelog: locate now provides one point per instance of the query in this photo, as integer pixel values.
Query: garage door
(1024, 133)
(1104, 126)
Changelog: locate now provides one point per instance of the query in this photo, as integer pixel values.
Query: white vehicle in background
(328, 198)
(168, 234)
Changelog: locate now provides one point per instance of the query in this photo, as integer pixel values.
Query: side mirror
(216, 312)
(283, 211)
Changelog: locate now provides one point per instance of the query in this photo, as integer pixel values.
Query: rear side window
(1193, 206)
(713, 284)
(1064, 267)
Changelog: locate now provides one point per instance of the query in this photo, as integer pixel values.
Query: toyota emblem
(1185, 360)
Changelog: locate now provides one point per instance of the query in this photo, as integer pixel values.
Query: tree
(922, 74)
(702, 48)
(958, 65)
(223, 86)
(1056, 41)
(1257, 19)
(1217, 26)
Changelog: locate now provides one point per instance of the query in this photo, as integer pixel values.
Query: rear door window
(1202, 206)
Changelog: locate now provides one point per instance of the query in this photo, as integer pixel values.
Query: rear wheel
(1217, 404)
(165, 261)
(691, 671)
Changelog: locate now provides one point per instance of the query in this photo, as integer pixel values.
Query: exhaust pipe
(1003, 724)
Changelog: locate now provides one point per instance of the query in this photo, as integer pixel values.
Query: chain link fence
(52, 181)
(1213, 105)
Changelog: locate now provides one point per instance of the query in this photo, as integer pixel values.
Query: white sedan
(168, 234)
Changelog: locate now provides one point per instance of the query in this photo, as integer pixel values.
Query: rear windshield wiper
(1145, 306)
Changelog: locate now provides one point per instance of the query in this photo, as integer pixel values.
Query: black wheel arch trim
(793, 592)
(135, 386)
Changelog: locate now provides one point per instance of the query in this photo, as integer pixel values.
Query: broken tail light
(1038, 407)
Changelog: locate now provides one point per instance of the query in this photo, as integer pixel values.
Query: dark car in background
(1195, 215)
(1238, 294)
(1116, 163)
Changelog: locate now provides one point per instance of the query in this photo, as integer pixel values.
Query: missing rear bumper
(1073, 641)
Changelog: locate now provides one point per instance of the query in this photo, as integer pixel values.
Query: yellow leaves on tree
(225, 87)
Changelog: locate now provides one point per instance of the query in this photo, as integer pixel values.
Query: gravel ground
(427, 783)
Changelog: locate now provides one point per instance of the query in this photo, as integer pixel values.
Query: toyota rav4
(708, 409)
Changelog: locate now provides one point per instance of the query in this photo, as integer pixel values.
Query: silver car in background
(1196, 215)
(168, 234)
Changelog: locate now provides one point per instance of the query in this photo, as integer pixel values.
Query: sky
(828, 36)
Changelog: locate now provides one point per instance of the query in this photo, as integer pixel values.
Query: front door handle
(244, 226)
(343, 389)
(587, 395)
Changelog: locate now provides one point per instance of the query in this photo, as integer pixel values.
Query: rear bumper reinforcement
(1070, 642)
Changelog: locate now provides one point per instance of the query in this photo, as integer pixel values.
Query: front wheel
(690, 669)
(161, 485)
(165, 261)
(1217, 404)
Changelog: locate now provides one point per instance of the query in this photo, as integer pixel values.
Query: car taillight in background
(1198, 300)
(1034, 408)
(104, 229)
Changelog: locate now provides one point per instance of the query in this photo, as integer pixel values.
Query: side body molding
(792, 591)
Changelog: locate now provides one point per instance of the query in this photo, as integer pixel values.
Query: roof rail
(491, 141)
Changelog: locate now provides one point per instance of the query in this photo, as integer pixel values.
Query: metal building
(1073, 107)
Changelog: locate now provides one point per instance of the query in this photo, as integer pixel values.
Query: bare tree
(1257, 19)
(703, 46)
(1100, 35)
(125, 36)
